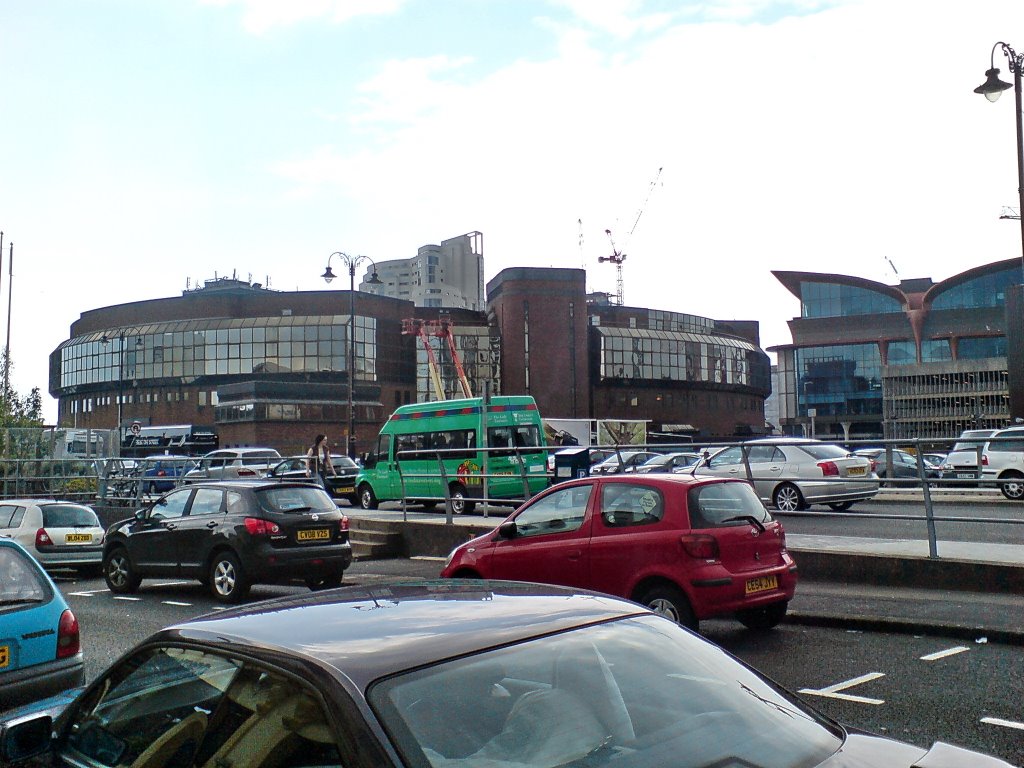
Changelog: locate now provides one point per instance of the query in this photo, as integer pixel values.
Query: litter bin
(571, 463)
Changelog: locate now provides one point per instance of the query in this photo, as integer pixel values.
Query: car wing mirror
(508, 530)
(23, 739)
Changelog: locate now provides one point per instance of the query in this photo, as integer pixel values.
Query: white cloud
(260, 16)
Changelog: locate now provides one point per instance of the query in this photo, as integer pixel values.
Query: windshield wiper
(21, 601)
(749, 518)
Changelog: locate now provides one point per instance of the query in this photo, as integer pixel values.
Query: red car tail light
(161, 473)
(700, 546)
(828, 469)
(246, 472)
(984, 459)
(68, 641)
(43, 539)
(257, 527)
(343, 525)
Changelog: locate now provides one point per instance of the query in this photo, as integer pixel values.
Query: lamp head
(328, 275)
(104, 339)
(992, 86)
(375, 280)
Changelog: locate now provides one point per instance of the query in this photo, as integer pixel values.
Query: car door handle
(575, 554)
(212, 524)
(170, 526)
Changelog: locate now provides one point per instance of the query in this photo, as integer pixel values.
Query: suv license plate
(78, 538)
(345, 489)
(965, 476)
(761, 584)
(314, 534)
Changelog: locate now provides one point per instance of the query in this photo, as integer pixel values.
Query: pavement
(970, 591)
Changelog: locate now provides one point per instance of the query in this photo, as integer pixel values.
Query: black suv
(230, 535)
(341, 485)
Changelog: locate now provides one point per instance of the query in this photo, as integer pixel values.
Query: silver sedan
(793, 473)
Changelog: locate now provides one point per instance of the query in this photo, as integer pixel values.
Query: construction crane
(618, 256)
(441, 328)
(1009, 213)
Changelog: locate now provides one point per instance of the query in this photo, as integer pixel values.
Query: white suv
(1003, 460)
(962, 461)
(231, 463)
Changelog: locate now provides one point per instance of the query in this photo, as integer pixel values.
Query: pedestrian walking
(318, 460)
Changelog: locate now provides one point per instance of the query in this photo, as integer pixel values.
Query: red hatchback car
(687, 547)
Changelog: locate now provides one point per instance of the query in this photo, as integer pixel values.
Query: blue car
(40, 653)
(162, 473)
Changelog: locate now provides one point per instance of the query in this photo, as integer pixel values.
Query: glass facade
(837, 300)
(902, 352)
(663, 355)
(982, 291)
(839, 380)
(935, 350)
(981, 348)
(186, 350)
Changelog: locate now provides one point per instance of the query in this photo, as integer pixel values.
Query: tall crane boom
(618, 256)
(441, 328)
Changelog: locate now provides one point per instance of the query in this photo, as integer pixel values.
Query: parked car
(935, 459)
(230, 535)
(1002, 459)
(621, 461)
(341, 485)
(667, 462)
(904, 465)
(40, 651)
(793, 473)
(59, 534)
(465, 675)
(962, 461)
(659, 539)
(229, 463)
(164, 472)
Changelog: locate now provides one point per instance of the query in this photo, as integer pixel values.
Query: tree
(15, 411)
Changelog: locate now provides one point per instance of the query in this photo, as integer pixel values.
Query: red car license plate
(761, 584)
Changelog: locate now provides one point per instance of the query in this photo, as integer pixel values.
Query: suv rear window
(68, 516)
(971, 440)
(295, 498)
(1007, 442)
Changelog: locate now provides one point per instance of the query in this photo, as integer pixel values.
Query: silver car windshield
(636, 692)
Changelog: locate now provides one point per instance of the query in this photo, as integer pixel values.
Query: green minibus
(419, 438)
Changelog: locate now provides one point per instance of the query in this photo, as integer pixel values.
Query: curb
(907, 627)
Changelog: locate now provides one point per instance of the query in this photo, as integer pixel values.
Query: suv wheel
(1012, 486)
(228, 582)
(119, 573)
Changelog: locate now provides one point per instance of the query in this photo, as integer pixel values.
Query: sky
(149, 145)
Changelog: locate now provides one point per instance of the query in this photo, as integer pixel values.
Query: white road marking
(88, 592)
(175, 602)
(943, 654)
(173, 583)
(834, 691)
(1004, 723)
(133, 599)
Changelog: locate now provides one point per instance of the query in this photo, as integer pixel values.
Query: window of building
(839, 379)
(935, 350)
(903, 352)
(838, 300)
(982, 291)
(980, 348)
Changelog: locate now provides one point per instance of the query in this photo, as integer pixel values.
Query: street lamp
(121, 335)
(351, 262)
(991, 89)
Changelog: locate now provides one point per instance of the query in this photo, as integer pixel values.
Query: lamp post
(991, 89)
(122, 334)
(351, 262)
